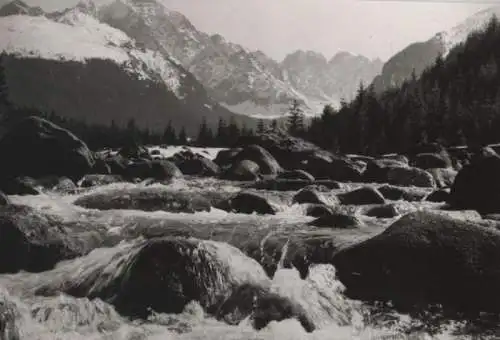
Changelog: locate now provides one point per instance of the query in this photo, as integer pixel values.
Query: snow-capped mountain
(244, 81)
(329, 80)
(89, 70)
(420, 55)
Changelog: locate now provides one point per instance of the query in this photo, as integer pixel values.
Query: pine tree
(261, 126)
(204, 135)
(274, 125)
(169, 136)
(221, 137)
(183, 140)
(296, 119)
(233, 132)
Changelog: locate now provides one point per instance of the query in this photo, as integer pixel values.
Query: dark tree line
(454, 102)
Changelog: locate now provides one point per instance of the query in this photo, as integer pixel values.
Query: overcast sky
(278, 27)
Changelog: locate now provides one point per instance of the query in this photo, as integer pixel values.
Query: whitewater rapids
(320, 293)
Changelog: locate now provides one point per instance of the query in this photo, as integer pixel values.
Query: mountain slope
(81, 68)
(421, 55)
(244, 81)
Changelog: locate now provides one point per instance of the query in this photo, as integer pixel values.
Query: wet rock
(58, 184)
(324, 165)
(420, 259)
(19, 186)
(224, 158)
(410, 177)
(377, 171)
(318, 210)
(160, 170)
(134, 151)
(267, 163)
(199, 166)
(151, 199)
(477, 186)
(243, 171)
(309, 195)
(262, 306)
(41, 241)
(4, 200)
(93, 180)
(100, 166)
(440, 195)
(395, 193)
(117, 165)
(383, 211)
(364, 195)
(432, 160)
(337, 221)
(9, 317)
(294, 185)
(400, 158)
(35, 147)
(296, 175)
(161, 275)
(248, 203)
(155, 152)
(444, 178)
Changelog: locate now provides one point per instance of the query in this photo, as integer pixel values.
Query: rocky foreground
(439, 246)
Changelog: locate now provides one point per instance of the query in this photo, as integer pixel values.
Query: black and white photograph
(249, 170)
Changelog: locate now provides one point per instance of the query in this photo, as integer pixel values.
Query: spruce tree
(296, 119)
(221, 137)
(183, 140)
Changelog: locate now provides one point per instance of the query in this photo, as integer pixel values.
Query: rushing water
(320, 293)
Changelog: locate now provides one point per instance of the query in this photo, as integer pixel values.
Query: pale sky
(278, 27)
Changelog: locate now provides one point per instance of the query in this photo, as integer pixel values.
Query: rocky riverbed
(276, 239)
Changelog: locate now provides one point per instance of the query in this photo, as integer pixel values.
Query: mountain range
(136, 59)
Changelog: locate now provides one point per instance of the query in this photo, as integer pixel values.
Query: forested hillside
(454, 102)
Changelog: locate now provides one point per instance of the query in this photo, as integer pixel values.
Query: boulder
(364, 195)
(4, 200)
(248, 203)
(161, 170)
(41, 241)
(444, 178)
(262, 306)
(160, 275)
(19, 186)
(337, 221)
(426, 258)
(37, 148)
(199, 166)
(395, 193)
(224, 158)
(383, 211)
(377, 171)
(477, 186)
(395, 157)
(134, 151)
(57, 184)
(151, 199)
(294, 184)
(267, 163)
(296, 175)
(309, 195)
(10, 315)
(318, 210)
(324, 165)
(440, 195)
(410, 177)
(432, 160)
(243, 171)
(93, 180)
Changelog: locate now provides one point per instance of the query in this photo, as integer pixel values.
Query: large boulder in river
(262, 306)
(378, 170)
(248, 203)
(309, 195)
(267, 163)
(193, 164)
(426, 258)
(19, 186)
(37, 148)
(35, 242)
(477, 186)
(158, 275)
(93, 180)
(151, 199)
(432, 160)
(324, 165)
(160, 170)
(134, 151)
(242, 171)
(410, 177)
(395, 193)
(444, 177)
(364, 195)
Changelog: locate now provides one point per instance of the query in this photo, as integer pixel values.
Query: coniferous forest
(454, 102)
